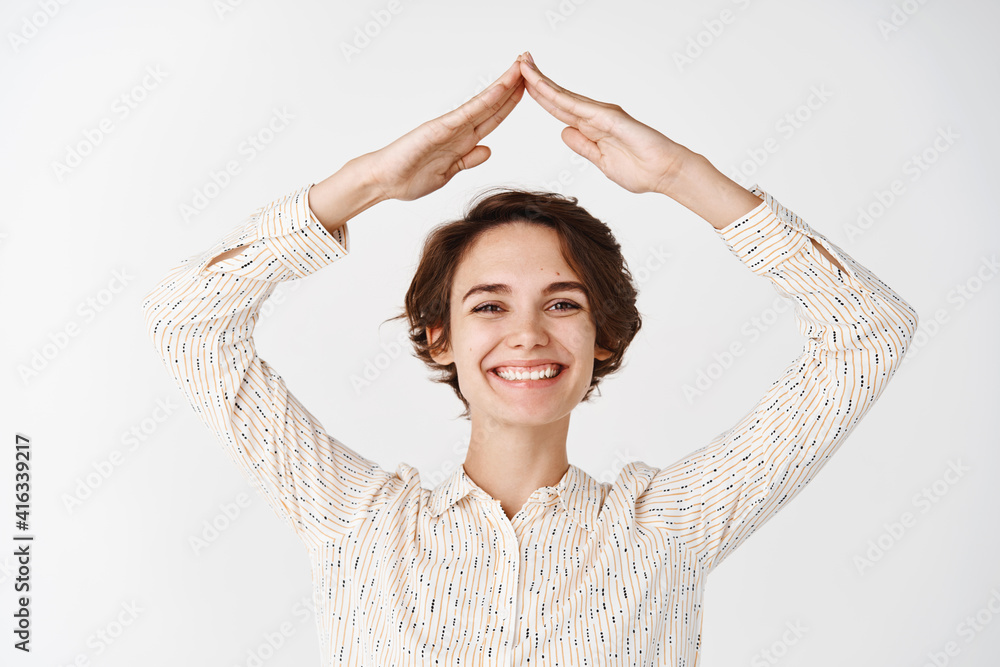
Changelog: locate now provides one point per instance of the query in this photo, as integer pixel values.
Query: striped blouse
(587, 573)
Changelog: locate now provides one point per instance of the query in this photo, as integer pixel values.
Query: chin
(531, 415)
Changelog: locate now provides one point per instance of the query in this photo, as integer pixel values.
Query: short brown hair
(587, 245)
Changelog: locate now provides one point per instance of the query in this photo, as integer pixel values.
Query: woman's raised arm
(201, 318)
(639, 158)
(856, 331)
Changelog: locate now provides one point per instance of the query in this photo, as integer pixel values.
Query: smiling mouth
(549, 372)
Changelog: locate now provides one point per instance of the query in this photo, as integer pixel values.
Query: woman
(520, 557)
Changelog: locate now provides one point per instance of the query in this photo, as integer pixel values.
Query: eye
(494, 308)
(569, 305)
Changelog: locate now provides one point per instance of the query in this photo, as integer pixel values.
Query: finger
(551, 107)
(598, 116)
(474, 158)
(486, 103)
(572, 108)
(493, 121)
(568, 101)
(479, 108)
(515, 89)
(581, 145)
(495, 113)
(556, 87)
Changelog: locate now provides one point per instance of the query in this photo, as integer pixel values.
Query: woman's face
(510, 310)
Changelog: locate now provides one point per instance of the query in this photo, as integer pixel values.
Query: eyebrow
(501, 288)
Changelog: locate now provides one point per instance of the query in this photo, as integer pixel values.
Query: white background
(64, 233)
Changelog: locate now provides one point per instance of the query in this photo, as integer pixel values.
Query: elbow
(156, 325)
(907, 325)
(900, 336)
(149, 308)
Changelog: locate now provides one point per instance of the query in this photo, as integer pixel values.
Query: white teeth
(529, 375)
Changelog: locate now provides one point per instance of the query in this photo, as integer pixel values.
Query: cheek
(473, 341)
(578, 335)
(470, 345)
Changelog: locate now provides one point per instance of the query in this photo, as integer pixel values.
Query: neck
(510, 462)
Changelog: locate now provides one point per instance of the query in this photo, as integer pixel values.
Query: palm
(427, 157)
(633, 155)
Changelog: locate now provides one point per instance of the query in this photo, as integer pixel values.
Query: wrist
(344, 194)
(698, 186)
(683, 169)
(361, 172)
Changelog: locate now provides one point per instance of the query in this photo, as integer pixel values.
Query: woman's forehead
(517, 254)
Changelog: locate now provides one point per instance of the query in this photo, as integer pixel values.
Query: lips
(554, 368)
(525, 379)
(528, 364)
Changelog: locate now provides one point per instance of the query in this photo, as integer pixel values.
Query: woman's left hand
(633, 155)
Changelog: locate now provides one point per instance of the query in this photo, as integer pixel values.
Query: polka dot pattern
(587, 573)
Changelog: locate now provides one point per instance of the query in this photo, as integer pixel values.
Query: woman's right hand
(426, 158)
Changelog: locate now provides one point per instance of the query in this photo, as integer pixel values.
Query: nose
(527, 329)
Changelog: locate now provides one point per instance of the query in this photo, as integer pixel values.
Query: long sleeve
(201, 320)
(856, 331)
